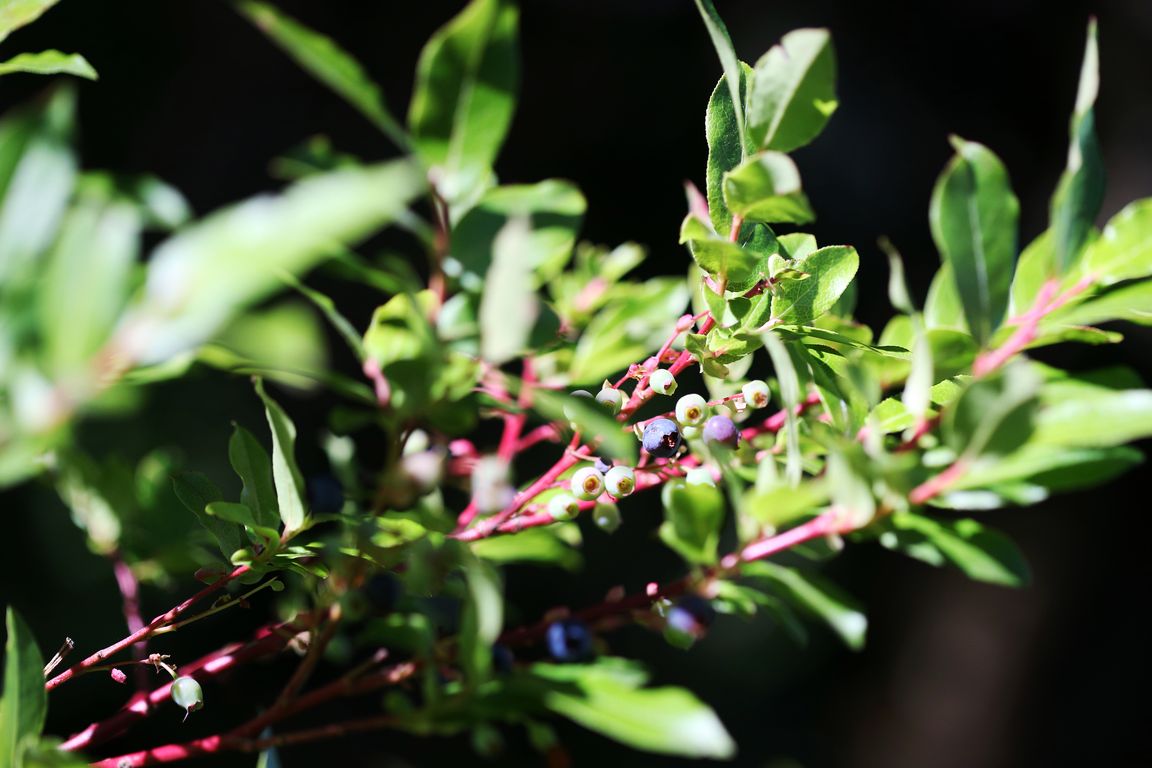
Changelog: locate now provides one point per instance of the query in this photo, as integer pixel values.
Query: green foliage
(24, 704)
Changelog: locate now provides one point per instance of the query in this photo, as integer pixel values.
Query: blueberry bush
(514, 389)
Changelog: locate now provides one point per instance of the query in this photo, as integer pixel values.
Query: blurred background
(613, 95)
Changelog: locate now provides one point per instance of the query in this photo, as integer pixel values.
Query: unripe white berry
(612, 399)
(563, 506)
(691, 410)
(662, 381)
(620, 481)
(587, 484)
(756, 394)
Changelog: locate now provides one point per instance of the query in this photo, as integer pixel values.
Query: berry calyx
(620, 481)
(587, 484)
(662, 381)
(612, 399)
(756, 394)
(563, 506)
(661, 438)
(569, 640)
(691, 410)
(722, 431)
(186, 693)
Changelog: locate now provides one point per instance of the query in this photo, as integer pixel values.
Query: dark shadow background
(955, 673)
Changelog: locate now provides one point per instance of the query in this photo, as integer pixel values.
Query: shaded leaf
(693, 515)
(285, 473)
(196, 492)
(981, 553)
(994, 416)
(49, 63)
(24, 703)
(815, 597)
(591, 419)
(254, 467)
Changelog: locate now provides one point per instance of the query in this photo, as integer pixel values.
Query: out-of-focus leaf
(23, 703)
(540, 546)
(790, 394)
(286, 339)
(483, 617)
(465, 94)
(995, 415)
(18, 13)
(328, 63)
(793, 91)
(736, 268)
(200, 278)
(1131, 302)
(51, 62)
(815, 597)
(1124, 249)
(1032, 268)
(509, 305)
(766, 187)
(285, 473)
(973, 216)
(591, 419)
(693, 515)
(981, 553)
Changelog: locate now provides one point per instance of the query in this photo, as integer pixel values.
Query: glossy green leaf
(51, 62)
(1093, 416)
(1080, 191)
(974, 217)
(196, 492)
(285, 473)
(733, 67)
(791, 395)
(327, 62)
(736, 268)
(982, 553)
(693, 515)
(995, 415)
(1131, 302)
(240, 514)
(1052, 468)
(828, 272)
(609, 701)
(815, 597)
(464, 97)
(24, 703)
(1124, 249)
(254, 467)
(793, 91)
(766, 187)
(591, 419)
(18, 13)
(723, 128)
(203, 276)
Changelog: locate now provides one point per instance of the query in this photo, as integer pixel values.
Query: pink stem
(934, 486)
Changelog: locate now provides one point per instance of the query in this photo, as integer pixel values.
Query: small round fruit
(661, 438)
(602, 466)
(722, 431)
(692, 615)
(569, 640)
(612, 399)
(563, 506)
(606, 517)
(691, 410)
(620, 481)
(503, 660)
(699, 476)
(690, 432)
(662, 381)
(587, 484)
(755, 393)
(187, 694)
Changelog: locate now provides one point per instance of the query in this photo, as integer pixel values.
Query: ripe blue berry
(587, 484)
(692, 615)
(662, 381)
(612, 399)
(755, 393)
(569, 640)
(187, 694)
(661, 438)
(691, 410)
(721, 430)
(563, 506)
(620, 481)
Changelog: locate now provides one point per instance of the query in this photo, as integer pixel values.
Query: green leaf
(400, 330)
(24, 703)
(483, 617)
(1082, 416)
(733, 67)
(1080, 191)
(554, 208)
(509, 305)
(723, 127)
(693, 515)
(1052, 468)
(464, 97)
(782, 504)
(240, 514)
(1033, 268)
(342, 325)
(793, 91)
(737, 268)
(973, 217)
(942, 308)
(995, 415)
(1131, 302)
(286, 475)
(591, 419)
(18, 13)
(254, 467)
(815, 597)
(790, 394)
(51, 62)
(284, 341)
(981, 553)
(196, 492)
(1124, 249)
(766, 187)
(667, 720)
(829, 271)
(327, 62)
(202, 277)
(539, 546)
(37, 172)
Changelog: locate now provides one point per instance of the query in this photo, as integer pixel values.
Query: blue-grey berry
(569, 640)
(661, 438)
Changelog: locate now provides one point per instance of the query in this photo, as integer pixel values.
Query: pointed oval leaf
(23, 704)
(793, 91)
(766, 187)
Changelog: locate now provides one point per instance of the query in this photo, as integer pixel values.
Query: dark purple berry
(325, 494)
(692, 615)
(661, 438)
(721, 429)
(602, 466)
(569, 640)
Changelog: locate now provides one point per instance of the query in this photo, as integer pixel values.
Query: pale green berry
(606, 517)
(691, 410)
(699, 476)
(187, 694)
(690, 432)
(620, 481)
(755, 393)
(662, 381)
(587, 484)
(563, 506)
(612, 399)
